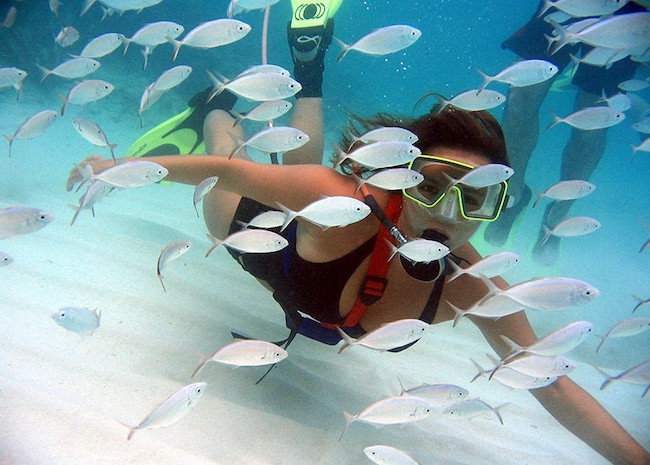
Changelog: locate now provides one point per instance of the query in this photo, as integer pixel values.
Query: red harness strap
(375, 282)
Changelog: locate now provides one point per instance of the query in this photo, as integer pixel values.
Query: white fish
(601, 56)
(87, 91)
(154, 34)
(171, 409)
(242, 6)
(633, 85)
(390, 411)
(80, 320)
(571, 227)
(96, 191)
(393, 179)
(583, 8)
(383, 134)
(327, 212)
(249, 353)
(260, 87)
(278, 139)
(590, 118)
(54, 7)
(212, 34)
(12, 77)
(72, 69)
(640, 303)
(475, 100)
(536, 365)
(617, 32)
(382, 154)
(642, 126)
(438, 395)
(388, 336)
(10, 17)
(102, 45)
(490, 266)
(202, 189)
(267, 68)
(638, 374)
(250, 241)
(387, 455)
(566, 190)
(94, 134)
(626, 328)
(15, 221)
(513, 378)
(171, 78)
(33, 126)
(558, 342)
(383, 41)
(132, 174)
(120, 5)
(471, 408)
(171, 252)
(5, 259)
(149, 97)
(491, 306)
(484, 176)
(522, 74)
(419, 250)
(265, 111)
(642, 147)
(67, 36)
(266, 220)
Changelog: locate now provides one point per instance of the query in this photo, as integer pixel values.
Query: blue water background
(458, 38)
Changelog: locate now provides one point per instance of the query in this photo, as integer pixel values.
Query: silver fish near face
(247, 353)
(475, 100)
(171, 409)
(15, 221)
(522, 74)
(250, 241)
(278, 139)
(566, 190)
(80, 320)
(571, 227)
(389, 336)
(383, 41)
(590, 118)
(328, 212)
(132, 174)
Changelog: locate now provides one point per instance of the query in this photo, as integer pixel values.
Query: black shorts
(529, 43)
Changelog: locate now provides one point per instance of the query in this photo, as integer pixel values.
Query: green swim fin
(183, 133)
(312, 13)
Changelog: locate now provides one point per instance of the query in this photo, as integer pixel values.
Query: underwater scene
(129, 335)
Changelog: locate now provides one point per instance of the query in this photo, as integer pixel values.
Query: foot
(498, 231)
(547, 253)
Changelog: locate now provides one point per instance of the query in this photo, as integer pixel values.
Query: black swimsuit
(308, 287)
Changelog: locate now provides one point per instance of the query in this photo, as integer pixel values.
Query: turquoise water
(458, 38)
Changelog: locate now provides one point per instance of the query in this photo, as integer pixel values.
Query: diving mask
(477, 204)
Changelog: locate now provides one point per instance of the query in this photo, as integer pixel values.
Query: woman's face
(445, 217)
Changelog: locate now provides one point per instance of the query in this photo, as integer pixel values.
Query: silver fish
(86, 92)
(328, 212)
(438, 395)
(583, 8)
(249, 353)
(265, 111)
(212, 34)
(171, 409)
(278, 139)
(120, 5)
(149, 97)
(80, 320)
(154, 34)
(202, 189)
(383, 41)
(490, 266)
(626, 328)
(473, 407)
(12, 77)
(571, 227)
(558, 342)
(475, 100)
(72, 69)
(390, 411)
(10, 17)
(33, 126)
(601, 56)
(640, 303)
(260, 87)
(171, 252)
(485, 175)
(387, 455)
(250, 241)
(491, 306)
(5, 259)
(566, 190)
(388, 336)
(94, 134)
(54, 7)
(96, 191)
(393, 179)
(382, 154)
(590, 118)
(523, 73)
(242, 6)
(171, 78)
(536, 365)
(266, 220)
(513, 378)
(102, 45)
(385, 133)
(419, 250)
(642, 147)
(132, 174)
(265, 69)
(15, 221)
(67, 36)
(638, 374)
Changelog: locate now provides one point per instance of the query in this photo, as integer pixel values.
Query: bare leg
(521, 128)
(308, 117)
(219, 206)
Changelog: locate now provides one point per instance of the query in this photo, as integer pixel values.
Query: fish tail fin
(177, 46)
(556, 120)
(198, 369)
(86, 6)
(349, 419)
(240, 145)
(44, 72)
(497, 411)
(401, 386)
(290, 215)
(65, 102)
(215, 243)
(160, 277)
(457, 271)
(348, 341)
(515, 349)
(344, 46)
(219, 83)
(237, 116)
(540, 195)
(486, 80)
(547, 4)
(608, 379)
(602, 341)
(341, 156)
(563, 37)
(360, 182)
(497, 364)
(393, 249)
(126, 42)
(10, 139)
(480, 370)
(458, 311)
(547, 235)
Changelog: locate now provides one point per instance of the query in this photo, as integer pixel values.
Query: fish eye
(42, 217)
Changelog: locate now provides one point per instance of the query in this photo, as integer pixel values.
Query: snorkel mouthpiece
(433, 235)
